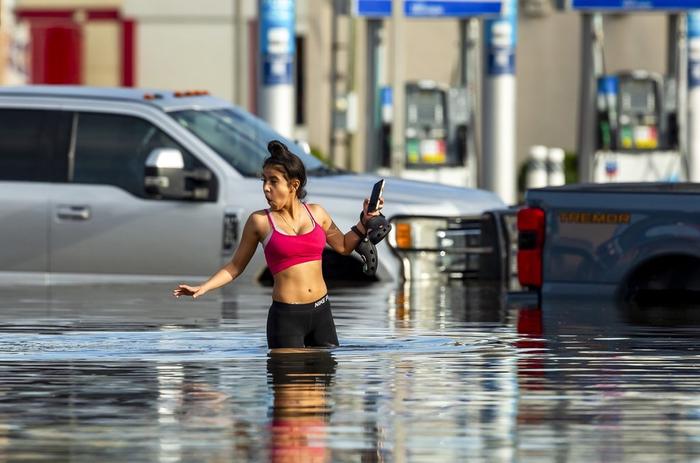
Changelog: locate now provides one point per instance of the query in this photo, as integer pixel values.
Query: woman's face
(278, 191)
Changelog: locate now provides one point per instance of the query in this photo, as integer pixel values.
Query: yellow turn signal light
(186, 93)
(403, 235)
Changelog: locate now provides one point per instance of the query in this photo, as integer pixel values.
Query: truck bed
(644, 187)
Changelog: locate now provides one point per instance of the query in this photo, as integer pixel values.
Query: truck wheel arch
(658, 277)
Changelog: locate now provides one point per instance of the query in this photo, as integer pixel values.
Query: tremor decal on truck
(595, 217)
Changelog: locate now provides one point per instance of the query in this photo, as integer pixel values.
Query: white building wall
(181, 44)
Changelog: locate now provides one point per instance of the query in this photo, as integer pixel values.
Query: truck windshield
(241, 139)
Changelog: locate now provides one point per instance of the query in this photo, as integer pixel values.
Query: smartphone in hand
(377, 191)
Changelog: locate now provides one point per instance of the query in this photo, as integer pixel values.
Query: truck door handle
(73, 213)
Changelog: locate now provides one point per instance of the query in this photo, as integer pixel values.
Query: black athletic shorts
(301, 325)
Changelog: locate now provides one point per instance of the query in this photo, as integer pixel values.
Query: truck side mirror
(166, 177)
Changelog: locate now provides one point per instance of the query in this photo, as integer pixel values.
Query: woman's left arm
(343, 243)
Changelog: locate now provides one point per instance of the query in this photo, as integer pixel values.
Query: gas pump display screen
(426, 126)
(637, 96)
(426, 108)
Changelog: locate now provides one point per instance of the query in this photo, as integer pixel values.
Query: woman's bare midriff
(300, 284)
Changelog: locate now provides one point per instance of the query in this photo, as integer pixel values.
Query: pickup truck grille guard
(456, 247)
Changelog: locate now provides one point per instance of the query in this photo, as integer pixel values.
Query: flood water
(425, 373)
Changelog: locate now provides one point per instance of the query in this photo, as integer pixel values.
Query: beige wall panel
(186, 56)
(318, 38)
(102, 53)
(358, 159)
(59, 4)
(635, 42)
(431, 50)
(547, 71)
(180, 8)
(243, 14)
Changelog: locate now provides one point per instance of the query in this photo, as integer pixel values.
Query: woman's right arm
(230, 271)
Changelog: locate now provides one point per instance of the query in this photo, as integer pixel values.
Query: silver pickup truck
(627, 241)
(108, 185)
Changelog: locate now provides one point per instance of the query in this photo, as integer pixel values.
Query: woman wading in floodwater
(293, 235)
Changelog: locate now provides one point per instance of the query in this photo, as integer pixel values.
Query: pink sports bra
(282, 250)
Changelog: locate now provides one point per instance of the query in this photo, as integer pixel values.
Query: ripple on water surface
(172, 345)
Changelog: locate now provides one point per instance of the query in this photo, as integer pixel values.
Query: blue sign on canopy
(277, 47)
(635, 5)
(429, 8)
(372, 8)
(451, 8)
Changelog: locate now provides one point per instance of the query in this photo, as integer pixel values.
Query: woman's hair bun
(277, 149)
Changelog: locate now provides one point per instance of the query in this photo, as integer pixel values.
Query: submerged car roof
(167, 100)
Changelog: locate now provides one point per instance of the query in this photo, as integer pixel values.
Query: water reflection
(301, 407)
(53, 411)
(422, 304)
(425, 373)
(606, 381)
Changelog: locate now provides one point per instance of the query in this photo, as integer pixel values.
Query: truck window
(240, 139)
(112, 150)
(26, 144)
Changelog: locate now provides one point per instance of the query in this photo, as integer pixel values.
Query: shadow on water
(604, 315)
(663, 308)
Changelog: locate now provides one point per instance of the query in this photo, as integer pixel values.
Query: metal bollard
(555, 167)
(536, 170)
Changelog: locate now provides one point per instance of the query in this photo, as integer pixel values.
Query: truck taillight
(530, 244)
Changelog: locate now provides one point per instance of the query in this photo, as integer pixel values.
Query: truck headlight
(416, 234)
(446, 245)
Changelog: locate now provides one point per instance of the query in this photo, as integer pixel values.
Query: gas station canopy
(429, 8)
(620, 6)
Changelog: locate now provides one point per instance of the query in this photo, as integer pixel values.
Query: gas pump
(632, 126)
(641, 117)
(426, 125)
(436, 134)
(632, 115)
(636, 139)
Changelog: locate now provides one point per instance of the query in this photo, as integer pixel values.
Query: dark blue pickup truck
(624, 240)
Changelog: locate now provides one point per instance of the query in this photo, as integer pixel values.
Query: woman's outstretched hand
(185, 290)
